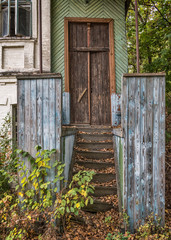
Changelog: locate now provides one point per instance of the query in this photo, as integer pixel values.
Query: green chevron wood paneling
(94, 9)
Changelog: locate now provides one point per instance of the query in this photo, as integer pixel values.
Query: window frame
(16, 6)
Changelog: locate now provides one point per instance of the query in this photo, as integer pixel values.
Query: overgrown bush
(153, 230)
(150, 230)
(7, 156)
(76, 197)
(33, 210)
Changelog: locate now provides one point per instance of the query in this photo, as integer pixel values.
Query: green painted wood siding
(114, 9)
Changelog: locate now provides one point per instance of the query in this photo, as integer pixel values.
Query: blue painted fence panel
(39, 114)
(143, 123)
(66, 108)
(116, 109)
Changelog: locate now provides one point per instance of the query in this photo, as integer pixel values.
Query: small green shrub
(152, 230)
(76, 197)
(35, 191)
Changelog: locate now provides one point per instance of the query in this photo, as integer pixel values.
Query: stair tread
(95, 134)
(93, 151)
(93, 162)
(104, 191)
(98, 206)
(99, 174)
(101, 143)
(105, 187)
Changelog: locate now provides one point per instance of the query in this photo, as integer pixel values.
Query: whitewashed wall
(20, 55)
(8, 96)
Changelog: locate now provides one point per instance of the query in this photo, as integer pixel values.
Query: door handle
(82, 94)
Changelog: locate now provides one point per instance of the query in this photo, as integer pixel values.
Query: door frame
(110, 21)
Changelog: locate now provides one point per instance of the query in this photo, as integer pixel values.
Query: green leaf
(23, 180)
(37, 147)
(46, 166)
(72, 210)
(38, 159)
(86, 202)
(37, 154)
(55, 164)
(17, 187)
(67, 209)
(18, 151)
(91, 200)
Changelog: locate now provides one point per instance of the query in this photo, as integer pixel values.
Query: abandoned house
(61, 77)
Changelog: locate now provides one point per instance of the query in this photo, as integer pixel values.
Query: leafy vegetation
(150, 230)
(7, 156)
(154, 36)
(77, 197)
(36, 202)
(154, 21)
(37, 205)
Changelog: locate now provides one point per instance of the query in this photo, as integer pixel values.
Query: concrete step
(95, 145)
(95, 154)
(95, 165)
(94, 137)
(101, 191)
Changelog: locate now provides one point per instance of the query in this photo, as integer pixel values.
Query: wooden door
(89, 80)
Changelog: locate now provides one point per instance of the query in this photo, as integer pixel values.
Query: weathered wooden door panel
(99, 35)
(100, 89)
(77, 35)
(78, 86)
(78, 73)
(89, 73)
(99, 74)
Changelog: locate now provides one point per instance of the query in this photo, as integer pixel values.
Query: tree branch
(140, 17)
(160, 12)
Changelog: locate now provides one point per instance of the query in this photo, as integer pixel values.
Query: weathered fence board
(143, 122)
(39, 114)
(67, 146)
(66, 108)
(116, 109)
(118, 144)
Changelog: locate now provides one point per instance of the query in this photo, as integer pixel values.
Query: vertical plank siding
(116, 109)
(118, 144)
(143, 122)
(39, 114)
(66, 108)
(67, 143)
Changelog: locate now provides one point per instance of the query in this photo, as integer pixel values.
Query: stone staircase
(94, 151)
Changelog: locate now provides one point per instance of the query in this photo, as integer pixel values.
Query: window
(16, 18)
